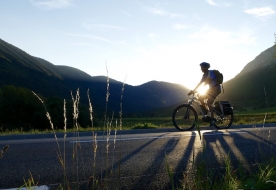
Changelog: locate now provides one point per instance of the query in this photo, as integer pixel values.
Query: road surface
(131, 159)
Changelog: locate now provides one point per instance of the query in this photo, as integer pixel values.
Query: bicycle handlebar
(192, 92)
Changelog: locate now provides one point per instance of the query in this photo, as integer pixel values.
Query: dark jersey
(209, 78)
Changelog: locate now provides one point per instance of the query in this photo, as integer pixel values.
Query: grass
(240, 118)
(203, 175)
(229, 178)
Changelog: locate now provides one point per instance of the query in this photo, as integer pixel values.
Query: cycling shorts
(211, 95)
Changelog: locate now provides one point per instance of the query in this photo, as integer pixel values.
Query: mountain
(254, 86)
(265, 59)
(18, 68)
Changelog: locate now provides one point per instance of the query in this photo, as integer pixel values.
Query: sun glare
(202, 89)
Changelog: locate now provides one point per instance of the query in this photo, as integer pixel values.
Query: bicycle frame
(195, 100)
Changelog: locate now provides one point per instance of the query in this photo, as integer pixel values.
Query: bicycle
(185, 116)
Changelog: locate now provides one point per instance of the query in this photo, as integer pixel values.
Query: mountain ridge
(255, 85)
(21, 69)
(264, 59)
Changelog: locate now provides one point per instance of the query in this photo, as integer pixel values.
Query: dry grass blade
(90, 109)
(52, 127)
(5, 149)
(121, 105)
(64, 115)
(76, 101)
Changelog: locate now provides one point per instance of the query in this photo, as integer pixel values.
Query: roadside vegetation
(24, 113)
(203, 176)
(240, 118)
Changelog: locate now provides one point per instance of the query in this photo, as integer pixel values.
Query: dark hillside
(156, 94)
(265, 59)
(20, 69)
(255, 83)
(12, 55)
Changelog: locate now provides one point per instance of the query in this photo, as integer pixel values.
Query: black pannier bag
(225, 106)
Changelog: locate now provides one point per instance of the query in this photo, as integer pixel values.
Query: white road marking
(99, 139)
(125, 139)
(42, 187)
(228, 133)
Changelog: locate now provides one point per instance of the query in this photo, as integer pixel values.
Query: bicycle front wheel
(223, 122)
(184, 117)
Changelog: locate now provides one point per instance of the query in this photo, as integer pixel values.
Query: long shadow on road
(146, 180)
(244, 149)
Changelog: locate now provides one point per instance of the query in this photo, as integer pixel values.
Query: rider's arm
(198, 85)
(203, 80)
(195, 88)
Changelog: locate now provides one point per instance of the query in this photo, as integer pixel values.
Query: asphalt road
(135, 160)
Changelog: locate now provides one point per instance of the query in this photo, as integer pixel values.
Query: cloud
(91, 37)
(163, 12)
(52, 4)
(140, 50)
(211, 2)
(102, 26)
(126, 13)
(83, 44)
(180, 26)
(216, 36)
(152, 35)
(158, 11)
(220, 4)
(260, 12)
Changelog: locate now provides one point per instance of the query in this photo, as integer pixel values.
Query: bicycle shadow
(243, 148)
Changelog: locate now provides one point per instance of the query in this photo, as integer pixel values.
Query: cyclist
(214, 90)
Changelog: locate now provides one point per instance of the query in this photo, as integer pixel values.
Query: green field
(256, 116)
(245, 117)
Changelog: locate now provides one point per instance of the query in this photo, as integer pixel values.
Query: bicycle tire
(223, 122)
(178, 117)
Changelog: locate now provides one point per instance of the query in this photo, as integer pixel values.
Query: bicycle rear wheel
(223, 122)
(184, 117)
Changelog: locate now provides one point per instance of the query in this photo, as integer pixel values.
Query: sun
(202, 89)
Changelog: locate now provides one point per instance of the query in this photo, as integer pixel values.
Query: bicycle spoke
(223, 122)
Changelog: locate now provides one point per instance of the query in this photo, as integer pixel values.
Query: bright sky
(142, 40)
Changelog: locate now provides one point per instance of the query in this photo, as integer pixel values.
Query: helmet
(204, 64)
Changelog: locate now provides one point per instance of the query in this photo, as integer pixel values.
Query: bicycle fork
(187, 114)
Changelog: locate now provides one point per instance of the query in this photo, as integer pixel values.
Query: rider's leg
(209, 104)
(212, 95)
(201, 99)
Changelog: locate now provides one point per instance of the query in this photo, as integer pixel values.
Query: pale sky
(142, 40)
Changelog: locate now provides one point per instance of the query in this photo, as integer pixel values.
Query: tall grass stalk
(65, 181)
(5, 149)
(114, 143)
(90, 110)
(109, 124)
(198, 129)
(106, 125)
(106, 99)
(60, 157)
(95, 145)
(76, 101)
(121, 105)
(30, 183)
